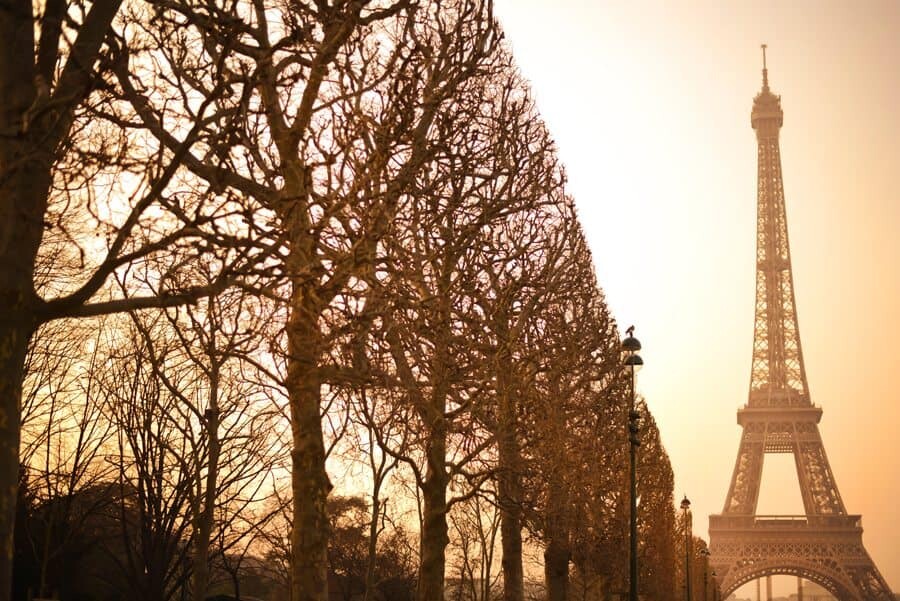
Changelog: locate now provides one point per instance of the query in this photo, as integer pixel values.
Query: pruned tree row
(297, 306)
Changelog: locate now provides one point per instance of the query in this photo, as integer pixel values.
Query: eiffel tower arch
(825, 544)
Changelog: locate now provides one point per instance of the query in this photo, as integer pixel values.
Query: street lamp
(705, 553)
(631, 346)
(685, 509)
(715, 586)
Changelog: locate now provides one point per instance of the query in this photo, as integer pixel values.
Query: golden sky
(649, 101)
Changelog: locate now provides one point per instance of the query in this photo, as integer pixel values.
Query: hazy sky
(649, 102)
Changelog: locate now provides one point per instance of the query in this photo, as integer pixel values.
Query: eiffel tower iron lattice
(824, 545)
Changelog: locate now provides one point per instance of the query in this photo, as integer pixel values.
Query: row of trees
(325, 234)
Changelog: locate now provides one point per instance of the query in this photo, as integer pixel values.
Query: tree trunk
(24, 181)
(557, 553)
(434, 538)
(510, 499)
(236, 583)
(556, 569)
(509, 493)
(13, 346)
(372, 552)
(309, 481)
(203, 529)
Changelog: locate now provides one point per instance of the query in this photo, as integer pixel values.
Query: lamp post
(715, 586)
(685, 510)
(631, 346)
(705, 553)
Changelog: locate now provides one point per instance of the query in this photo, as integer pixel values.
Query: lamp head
(685, 503)
(631, 344)
(634, 360)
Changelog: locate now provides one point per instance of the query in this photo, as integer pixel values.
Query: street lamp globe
(634, 361)
(631, 344)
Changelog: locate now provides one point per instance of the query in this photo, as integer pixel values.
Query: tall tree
(196, 354)
(329, 122)
(100, 198)
(603, 505)
(518, 263)
(448, 241)
(577, 370)
(656, 522)
(64, 440)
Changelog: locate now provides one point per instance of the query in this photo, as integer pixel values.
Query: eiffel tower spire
(778, 377)
(825, 544)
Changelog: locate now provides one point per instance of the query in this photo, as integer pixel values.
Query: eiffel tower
(824, 545)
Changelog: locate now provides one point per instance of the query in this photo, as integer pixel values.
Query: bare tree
(153, 486)
(573, 364)
(327, 125)
(449, 242)
(656, 522)
(376, 417)
(75, 187)
(475, 526)
(63, 446)
(523, 266)
(192, 452)
(197, 353)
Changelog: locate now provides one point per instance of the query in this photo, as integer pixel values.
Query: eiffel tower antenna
(824, 544)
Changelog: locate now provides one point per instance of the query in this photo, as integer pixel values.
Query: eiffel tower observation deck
(825, 544)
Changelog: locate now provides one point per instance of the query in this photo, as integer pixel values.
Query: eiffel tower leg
(869, 582)
(817, 485)
(744, 491)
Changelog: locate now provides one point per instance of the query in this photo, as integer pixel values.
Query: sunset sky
(649, 102)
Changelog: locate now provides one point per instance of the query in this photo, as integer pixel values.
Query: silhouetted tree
(475, 527)
(82, 201)
(566, 399)
(347, 215)
(328, 123)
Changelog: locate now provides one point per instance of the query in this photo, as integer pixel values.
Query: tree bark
(204, 526)
(557, 553)
(372, 550)
(434, 538)
(556, 569)
(510, 501)
(509, 486)
(24, 181)
(372, 547)
(309, 480)
(13, 345)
